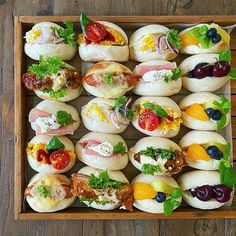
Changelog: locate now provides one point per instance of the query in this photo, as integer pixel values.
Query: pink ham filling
(86, 150)
(141, 70)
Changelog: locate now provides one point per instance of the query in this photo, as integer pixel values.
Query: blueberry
(161, 197)
(211, 33)
(214, 152)
(210, 112)
(216, 39)
(217, 115)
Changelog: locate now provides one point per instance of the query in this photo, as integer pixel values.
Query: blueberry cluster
(213, 114)
(212, 34)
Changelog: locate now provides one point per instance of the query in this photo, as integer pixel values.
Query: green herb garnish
(227, 173)
(84, 20)
(91, 200)
(158, 152)
(172, 202)
(175, 75)
(47, 66)
(64, 118)
(119, 148)
(225, 55)
(224, 106)
(55, 94)
(107, 79)
(157, 110)
(173, 38)
(120, 103)
(43, 191)
(103, 181)
(67, 33)
(54, 144)
(151, 169)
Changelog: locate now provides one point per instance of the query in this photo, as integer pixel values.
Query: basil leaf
(220, 124)
(64, 118)
(119, 148)
(54, 144)
(225, 55)
(84, 20)
(177, 193)
(157, 110)
(168, 207)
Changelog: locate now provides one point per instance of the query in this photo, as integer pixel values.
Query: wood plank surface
(83, 227)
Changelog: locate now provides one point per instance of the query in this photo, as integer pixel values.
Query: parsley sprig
(227, 173)
(103, 181)
(175, 75)
(158, 152)
(173, 38)
(43, 191)
(224, 106)
(172, 202)
(107, 78)
(55, 94)
(67, 33)
(158, 110)
(47, 66)
(120, 103)
(151, 169)
(119, 148)
(91, 200)
(64, 118)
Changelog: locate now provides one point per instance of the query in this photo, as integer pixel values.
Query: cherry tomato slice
(148, 120)
(60, 159)
(95, 31)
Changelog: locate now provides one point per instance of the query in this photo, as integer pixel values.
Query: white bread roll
(195, 179)
(104, 90)
(42, 167)
(207, 84)
(196, 49)
(104, 163)
(154, 142)
(41, 204)
(35, 50)
(135, 44)
(92, 121)
(163, 102)
(157, 88)
(199, 98)
(113, 175)
(151, 205)
(202, 137)
(99, 52)
(53, 107)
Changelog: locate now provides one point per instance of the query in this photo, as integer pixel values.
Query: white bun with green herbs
(99, 52)
(151, 205)
(202, 138)
(38, 142)
(164, 102)
(43, 118)
(153, 74)
(34, 50)
(206, 84)
(193, 179)
(205, 99)
(49, 192)
(97, 150)
(136, 44)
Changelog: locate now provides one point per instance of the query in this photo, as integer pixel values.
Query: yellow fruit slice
(224, 35)
(197, 152)
(161, 186)
(143, 191)
(187, 39)
(196, 111)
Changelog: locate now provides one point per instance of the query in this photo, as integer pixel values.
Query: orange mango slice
(187, 39)
(143, 191)
(197, 152)
(197, 111)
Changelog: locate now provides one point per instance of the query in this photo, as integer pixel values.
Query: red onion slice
(112, 117)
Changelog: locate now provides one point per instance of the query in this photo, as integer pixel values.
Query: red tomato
(95, 31)
(90, 80)
(148, 120)
(60, 159)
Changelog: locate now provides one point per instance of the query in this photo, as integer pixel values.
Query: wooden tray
(25, 100)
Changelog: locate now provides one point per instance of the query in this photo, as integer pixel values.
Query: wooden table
(10, 8)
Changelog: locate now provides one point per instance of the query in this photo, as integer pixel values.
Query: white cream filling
(104, 149)
(47, 123)
(156, 75)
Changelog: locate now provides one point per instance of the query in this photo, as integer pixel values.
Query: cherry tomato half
(95, 31)
(148, 120)
(60, 159)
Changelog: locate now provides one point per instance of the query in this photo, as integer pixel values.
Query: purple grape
(221, 68)
(202, 70)
(222, 193)
(204, 193)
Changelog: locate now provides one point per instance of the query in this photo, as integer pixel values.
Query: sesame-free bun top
(99, 52)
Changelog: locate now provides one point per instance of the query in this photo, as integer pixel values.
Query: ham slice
(141, 70)
(62, 130)
(35, 113)
(88, 151)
